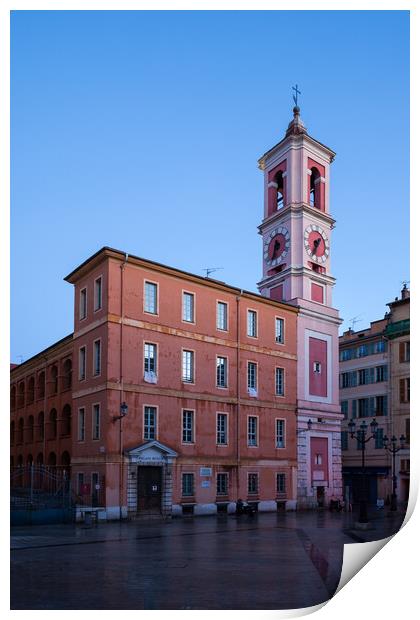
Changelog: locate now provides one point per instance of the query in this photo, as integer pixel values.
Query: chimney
(405, 293)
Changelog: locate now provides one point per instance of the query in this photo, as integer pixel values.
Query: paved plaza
(268, 561)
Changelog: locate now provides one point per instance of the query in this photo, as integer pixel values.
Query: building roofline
(68, 338)
(108, 252)
(398, 302)
(261, 160)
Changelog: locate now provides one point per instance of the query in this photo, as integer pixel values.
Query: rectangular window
(149, 426)
(252, 324)
(221, 371)
(97, 357)
(222, 484)
(221, 320)
(80, 483)
(81, 425)
(381, 374)
(279, 381)
(379, 347)
(222, 429)
(188, 307)
(150, 358)
(381, 403)
(187, 426)
(83, 304)
(407, 430)
(96, 421)
(98, 294)
(150, 297)
(279, 331)
(188, 366)
(280, 483)
(379, 439)
(252, 431)
(95, 488)
(252, 376)
(345, 408)
(363, 407)
(82, 363)
(404, 352)
(280, 434)
(344, 440)
(405, 390)
(187, 485)
(252, 484)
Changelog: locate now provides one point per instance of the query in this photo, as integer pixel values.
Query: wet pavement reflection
(268, 561)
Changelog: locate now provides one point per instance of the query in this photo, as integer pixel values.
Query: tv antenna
(405, 283)
(354, 320)
(210, 270)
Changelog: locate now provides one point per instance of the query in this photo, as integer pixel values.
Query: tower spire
(296, 126)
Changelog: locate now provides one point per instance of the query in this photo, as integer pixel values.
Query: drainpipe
(238, 393)
(121, 450)
(45, 414)
(390, 409)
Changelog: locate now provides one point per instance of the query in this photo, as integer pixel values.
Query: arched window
(31, 390)
(41, 384)
(21, 394)
(52, 459)
(13, 398)
(53, 423)
(20, 461)
(30, 459)
(54, 379)
(66, 420)
(67, 374)
(314, 192)
(41, 430)
(20, 430)
(280, 190)
(31, 428)
(12, 433)
(40, 459)
(65, 465)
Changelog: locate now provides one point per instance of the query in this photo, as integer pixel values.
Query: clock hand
(275, 248)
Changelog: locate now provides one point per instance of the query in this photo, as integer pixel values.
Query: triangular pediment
(151, 451)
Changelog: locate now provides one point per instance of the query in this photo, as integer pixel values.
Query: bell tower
(296, 231)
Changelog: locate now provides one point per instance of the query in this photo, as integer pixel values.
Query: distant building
(397, 333)
(375, 384)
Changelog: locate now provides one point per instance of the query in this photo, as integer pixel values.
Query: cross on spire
(297, 92)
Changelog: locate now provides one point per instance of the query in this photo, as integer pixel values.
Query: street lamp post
(391, 446)
(363, 440)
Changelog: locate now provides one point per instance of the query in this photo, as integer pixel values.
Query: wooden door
(149, 488)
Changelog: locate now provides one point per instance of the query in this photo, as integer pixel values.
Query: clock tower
(296, 232)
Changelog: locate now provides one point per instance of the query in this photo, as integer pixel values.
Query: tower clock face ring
(316, 243)
(276, 245)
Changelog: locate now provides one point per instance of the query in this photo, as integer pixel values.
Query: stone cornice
(173, 393)
(296, 210)
(181, 333)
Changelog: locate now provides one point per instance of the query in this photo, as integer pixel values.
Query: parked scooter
(243, 508)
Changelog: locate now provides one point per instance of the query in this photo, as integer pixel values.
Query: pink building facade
(296, 231)
(207, 373)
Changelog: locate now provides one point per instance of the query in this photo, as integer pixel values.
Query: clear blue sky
(141, 130)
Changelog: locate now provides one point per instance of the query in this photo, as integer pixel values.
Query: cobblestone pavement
(269, 561)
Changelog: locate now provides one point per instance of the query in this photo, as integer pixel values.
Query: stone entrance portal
(149, 484)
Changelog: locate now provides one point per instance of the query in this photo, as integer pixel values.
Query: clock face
(316, 243)
(276, 245)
